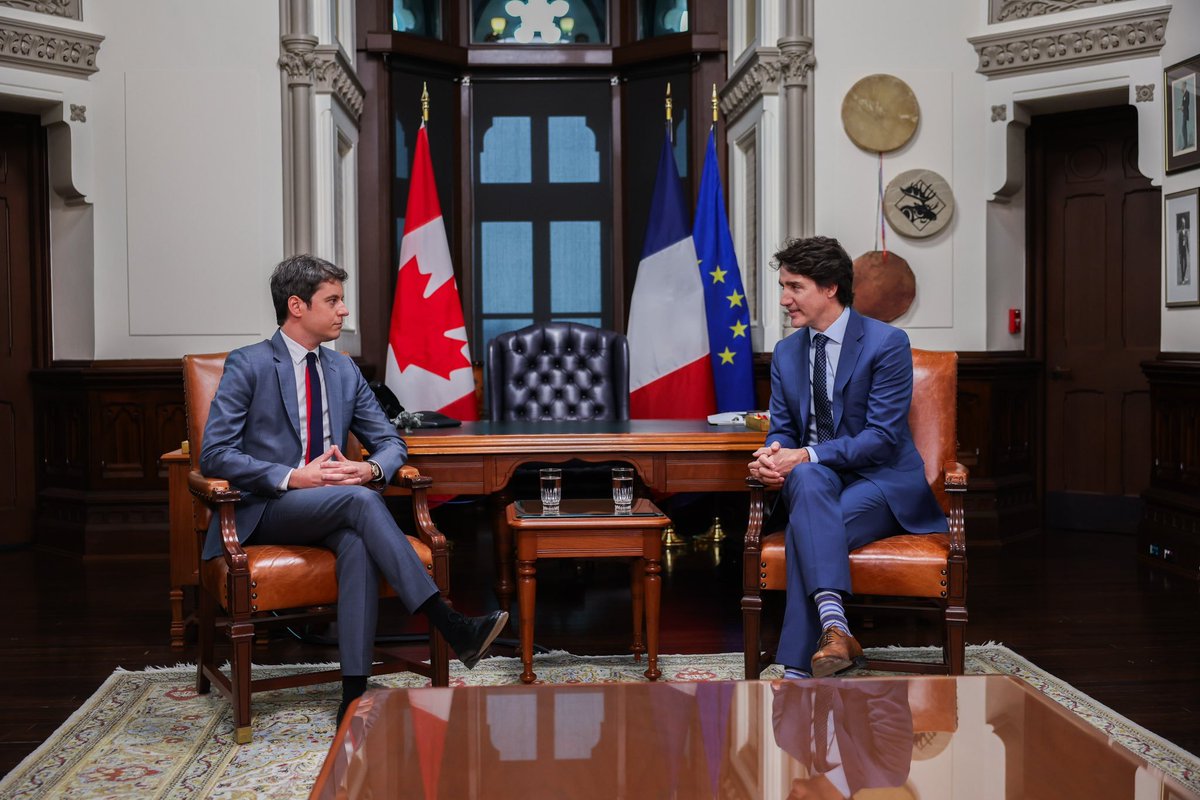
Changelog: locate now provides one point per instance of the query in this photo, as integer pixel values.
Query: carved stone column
(298, 61)
(795, 50)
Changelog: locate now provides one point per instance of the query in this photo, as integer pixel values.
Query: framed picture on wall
(1180, 83)
(1180, 239)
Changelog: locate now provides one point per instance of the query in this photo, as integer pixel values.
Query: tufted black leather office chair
(558, 371)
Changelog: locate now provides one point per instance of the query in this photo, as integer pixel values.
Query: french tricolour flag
(669, 372)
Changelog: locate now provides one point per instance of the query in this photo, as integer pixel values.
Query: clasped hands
(772, 463)
(331, 468)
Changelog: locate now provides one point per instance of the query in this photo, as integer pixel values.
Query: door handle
(1060, 373)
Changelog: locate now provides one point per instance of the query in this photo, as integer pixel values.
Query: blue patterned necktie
(820, 387)
(316, 414)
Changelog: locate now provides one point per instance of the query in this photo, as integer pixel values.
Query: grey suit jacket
(252, 437)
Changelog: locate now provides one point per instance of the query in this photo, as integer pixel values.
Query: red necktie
(316, 415)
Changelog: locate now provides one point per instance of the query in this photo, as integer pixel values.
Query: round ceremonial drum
(880, 113)
(884, 285)
(918, 203)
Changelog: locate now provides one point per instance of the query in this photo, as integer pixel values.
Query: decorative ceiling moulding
(1009, 10)
(29, 45)
(71, 9)
(1112, 37)
(757, 76)
(334, 76)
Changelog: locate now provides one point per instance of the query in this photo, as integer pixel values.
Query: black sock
(441, 615)
(353, 687)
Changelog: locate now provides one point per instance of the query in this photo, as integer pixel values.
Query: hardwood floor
(1077, 604)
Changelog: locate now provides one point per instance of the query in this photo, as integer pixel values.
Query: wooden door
(22, 174)
(1098, 243)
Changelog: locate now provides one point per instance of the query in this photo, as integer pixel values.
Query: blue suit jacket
(872, 392)
(252, 437)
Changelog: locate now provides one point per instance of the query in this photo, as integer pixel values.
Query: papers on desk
(730, 417)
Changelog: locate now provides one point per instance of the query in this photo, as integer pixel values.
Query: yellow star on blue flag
(728, 317)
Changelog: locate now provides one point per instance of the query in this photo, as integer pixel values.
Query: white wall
(1181, 326)
(166, 206)
(924, 43)
(188, 203)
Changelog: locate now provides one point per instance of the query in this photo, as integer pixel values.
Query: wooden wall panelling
(101, 429)
(999, 441)
(1169, 533)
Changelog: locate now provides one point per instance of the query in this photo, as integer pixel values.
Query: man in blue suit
(276, 430)
(839, 448)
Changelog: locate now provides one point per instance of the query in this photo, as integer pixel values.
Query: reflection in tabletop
(977, 737)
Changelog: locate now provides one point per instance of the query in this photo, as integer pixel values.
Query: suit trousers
(353, 522)
(830, 513)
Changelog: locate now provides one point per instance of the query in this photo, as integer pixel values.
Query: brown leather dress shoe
(837, 651)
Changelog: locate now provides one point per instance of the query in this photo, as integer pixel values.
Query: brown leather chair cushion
(898, 566)
(292, 576)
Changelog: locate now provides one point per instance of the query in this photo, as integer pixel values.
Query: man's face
(321, 320)
(806, 303)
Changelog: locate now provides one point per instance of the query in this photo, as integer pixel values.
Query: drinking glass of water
(551, 482)
(622, 486)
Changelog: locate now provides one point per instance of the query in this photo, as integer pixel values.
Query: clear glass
(622, 489)
(417, 17)
(551, 485)
(662, 18)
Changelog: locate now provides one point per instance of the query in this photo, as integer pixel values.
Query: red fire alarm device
(1014, 320)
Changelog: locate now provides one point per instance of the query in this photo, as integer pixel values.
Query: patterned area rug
(149, 735)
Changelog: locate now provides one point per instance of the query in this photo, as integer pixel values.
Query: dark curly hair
(821, 259)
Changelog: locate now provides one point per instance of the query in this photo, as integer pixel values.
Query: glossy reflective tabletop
(929, 737)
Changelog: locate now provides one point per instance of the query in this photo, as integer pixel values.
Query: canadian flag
(429, 361)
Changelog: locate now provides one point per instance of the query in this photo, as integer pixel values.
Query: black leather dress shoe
(472, 640)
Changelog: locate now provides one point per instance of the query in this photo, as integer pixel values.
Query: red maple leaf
(419, 326)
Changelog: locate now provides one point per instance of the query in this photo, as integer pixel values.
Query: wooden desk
(481, 458)
(185, 560)
(590, 529)
(669, 455)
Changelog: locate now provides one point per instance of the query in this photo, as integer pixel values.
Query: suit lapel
(286, 372)
(847, 361)
(330, 370)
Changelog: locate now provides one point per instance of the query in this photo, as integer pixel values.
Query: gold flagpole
(424, 102)
(715, 104)
(670, 132)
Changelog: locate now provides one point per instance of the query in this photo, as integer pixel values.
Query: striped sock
(829, 608)
(794, 674)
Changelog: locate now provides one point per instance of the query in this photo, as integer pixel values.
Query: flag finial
(425, 102)
(715, 104)
(668, 101)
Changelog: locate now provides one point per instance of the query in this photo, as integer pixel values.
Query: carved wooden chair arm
(412, 479)
(223, 498)
(955, 477)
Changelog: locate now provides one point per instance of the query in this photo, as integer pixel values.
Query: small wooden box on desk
(591, 529)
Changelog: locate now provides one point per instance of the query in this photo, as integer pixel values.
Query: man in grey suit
(276, 431)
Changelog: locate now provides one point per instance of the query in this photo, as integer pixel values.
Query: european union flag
(724, 301)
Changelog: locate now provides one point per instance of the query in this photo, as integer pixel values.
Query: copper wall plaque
(884, 285)
(880, 113)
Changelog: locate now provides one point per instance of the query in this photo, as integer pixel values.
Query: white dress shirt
(300, 364)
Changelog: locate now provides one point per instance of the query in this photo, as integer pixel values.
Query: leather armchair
(251, 587)
(558, 371)
(915, 573)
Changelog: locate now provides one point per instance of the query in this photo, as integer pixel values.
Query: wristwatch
(376, 472)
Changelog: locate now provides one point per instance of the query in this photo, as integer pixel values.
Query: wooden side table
(590, 529)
